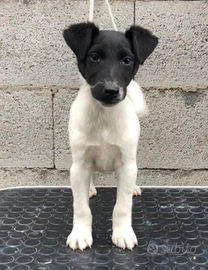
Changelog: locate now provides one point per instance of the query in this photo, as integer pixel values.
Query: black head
(108, 60)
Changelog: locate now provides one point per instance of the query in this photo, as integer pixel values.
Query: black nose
(112, 91)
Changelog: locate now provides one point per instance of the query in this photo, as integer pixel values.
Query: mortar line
(135, 12)
(57, 87)
(171, 169)
(67, 170)
(53, 127)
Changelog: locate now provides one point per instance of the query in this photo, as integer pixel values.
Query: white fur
(104, 139)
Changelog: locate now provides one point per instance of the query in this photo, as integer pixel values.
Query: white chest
(103, 138)
(105, 157)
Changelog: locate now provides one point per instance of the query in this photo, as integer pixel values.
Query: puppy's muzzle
(107, 94)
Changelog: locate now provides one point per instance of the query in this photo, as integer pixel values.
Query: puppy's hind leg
(93, 191)
(81, 235)
(137, 191)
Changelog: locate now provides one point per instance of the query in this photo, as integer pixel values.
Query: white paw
(80, 238)
(137, 191)
(124, 238)
(93, 191)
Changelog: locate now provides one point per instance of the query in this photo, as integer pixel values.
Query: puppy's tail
(137, 97)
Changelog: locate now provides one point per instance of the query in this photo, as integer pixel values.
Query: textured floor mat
(171, 226)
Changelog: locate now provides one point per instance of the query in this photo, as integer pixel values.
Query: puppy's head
(108, 60)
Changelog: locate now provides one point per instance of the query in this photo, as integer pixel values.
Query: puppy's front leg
(81, 235)
(123, 234)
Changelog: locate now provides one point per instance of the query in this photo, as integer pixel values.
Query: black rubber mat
(171, 226)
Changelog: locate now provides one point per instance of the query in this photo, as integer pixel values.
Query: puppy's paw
(124, 237)
(80, 238)
(137, 191)
(93, 191)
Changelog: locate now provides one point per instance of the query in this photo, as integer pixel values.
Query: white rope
(109, 11)
(91, 10)
(111, 15)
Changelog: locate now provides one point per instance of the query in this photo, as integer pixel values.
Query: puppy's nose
(112, 91)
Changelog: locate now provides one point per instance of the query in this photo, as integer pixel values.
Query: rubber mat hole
(181, 267)
(61, 267)
(160, 260)
(141, 260)
(28, 251)
(5, 259)
(102, 259)
(10, 250)
(81, 267)
(118, 267)
(24, 259)
(198, 267)
(141, 267)
(40, 267)
(161, 267)
(199, 260)
(20, 267)
(180, 260)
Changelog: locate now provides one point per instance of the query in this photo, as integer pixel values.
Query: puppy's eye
(127, 60)
(94, 57)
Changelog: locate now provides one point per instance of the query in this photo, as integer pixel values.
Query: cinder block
(32, 48)
(172, 178)
(33, 177)
(181, 56)
(52, 177)
(175, 134)
(26, 135)
(62, 104)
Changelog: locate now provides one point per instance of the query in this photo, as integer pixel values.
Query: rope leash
(91, 12)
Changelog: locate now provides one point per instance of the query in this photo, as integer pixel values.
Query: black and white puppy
(104, 127)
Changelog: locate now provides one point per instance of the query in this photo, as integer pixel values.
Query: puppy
(104, 127)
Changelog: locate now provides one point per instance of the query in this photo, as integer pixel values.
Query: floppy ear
(79, 37)
(143, 42)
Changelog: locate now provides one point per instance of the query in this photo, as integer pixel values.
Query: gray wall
(39, 81)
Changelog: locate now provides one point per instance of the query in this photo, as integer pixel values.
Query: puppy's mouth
(108, 104)
(108, 94)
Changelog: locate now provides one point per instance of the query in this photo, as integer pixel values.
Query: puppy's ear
(143, 42)
(79, 37)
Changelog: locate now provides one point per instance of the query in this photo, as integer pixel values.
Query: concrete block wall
(39, 80)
